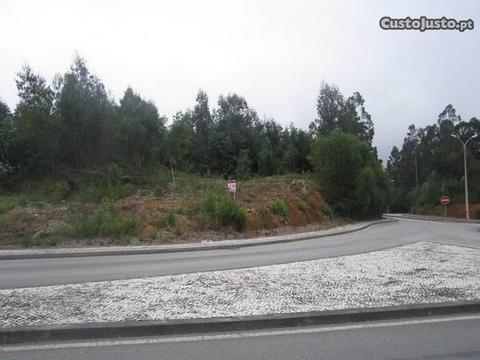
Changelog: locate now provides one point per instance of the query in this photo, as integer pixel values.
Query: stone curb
(209, 325)
(430, 218)
(226, 244)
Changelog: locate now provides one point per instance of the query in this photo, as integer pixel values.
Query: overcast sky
(274, 53)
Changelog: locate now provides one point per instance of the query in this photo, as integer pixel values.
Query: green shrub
(60, 190)
(302, 205)
(189, 210)
(206, 213)
(229, 213)
(170, 218)
(104, 223)
(179, 230)
(221, 210)
(279, 207)
(203, 220)
(166, 220)
(210, 204)
(27, 241)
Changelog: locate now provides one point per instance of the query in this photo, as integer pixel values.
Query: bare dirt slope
(273, 205)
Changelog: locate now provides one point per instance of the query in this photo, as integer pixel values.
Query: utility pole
(464, 144)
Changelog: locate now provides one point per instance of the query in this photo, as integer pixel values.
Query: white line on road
(227, 336)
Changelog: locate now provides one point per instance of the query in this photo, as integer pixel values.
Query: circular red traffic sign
(445, 200)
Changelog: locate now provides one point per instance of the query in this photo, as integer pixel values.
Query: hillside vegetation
(77, 165)
(194, 208)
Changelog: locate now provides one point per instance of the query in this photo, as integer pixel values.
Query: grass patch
(189, 210)
(105, 192)
(167, 220)
(185, 183)
(27, 241)
(279, 207)
(221, 210)
(188, 184)
(5, 206)
(35, 193)
(204, 221)
(60, 190)
(10, 201)
(106, 222)
(179, 230)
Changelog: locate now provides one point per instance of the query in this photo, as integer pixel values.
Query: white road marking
(227, 336)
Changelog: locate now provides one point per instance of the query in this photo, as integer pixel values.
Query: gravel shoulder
(423, 272)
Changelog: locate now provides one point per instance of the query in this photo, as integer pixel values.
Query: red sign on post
(445, 200)
(232, 186)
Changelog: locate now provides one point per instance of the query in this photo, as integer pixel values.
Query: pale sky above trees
(274, 53)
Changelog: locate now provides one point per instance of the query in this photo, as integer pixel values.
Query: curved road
(40, 272)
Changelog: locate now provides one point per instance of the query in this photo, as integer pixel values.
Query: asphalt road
(426, 339)
(39, 272)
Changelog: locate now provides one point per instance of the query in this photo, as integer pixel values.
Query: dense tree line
(73, 123)
(430, 163)
(232, 141)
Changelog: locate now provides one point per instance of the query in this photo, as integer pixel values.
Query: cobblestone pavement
(423, 272)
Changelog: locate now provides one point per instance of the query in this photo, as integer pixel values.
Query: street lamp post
(464, 144)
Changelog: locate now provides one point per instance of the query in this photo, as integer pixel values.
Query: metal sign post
(444, 200)
(232, 187)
